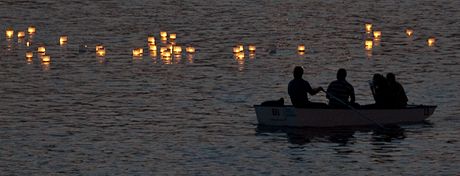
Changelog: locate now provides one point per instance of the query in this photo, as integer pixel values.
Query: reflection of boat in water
(340, 135)
(289, 116)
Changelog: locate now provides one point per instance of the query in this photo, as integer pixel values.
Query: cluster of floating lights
(377, 36)
(238, 51)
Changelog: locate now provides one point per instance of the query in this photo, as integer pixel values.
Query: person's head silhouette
(298, 72)
(391, 77)
(341, 74)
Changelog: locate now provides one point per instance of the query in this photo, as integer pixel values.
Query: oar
(356, 111)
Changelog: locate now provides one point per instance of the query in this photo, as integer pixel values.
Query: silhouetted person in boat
(299, 89)
(380, 90)
(342, 90)
(398, 98)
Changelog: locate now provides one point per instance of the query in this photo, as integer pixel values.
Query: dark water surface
(193, 116)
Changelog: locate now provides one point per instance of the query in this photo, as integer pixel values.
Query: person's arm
(312, 91)
(352, 95)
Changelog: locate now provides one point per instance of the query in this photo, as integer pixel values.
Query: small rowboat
(290, 116)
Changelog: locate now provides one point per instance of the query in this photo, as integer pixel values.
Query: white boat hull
(315, 117)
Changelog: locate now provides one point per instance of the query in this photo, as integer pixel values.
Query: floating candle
(99, 46)
(137, 52)
(152, 47)
(252, 48)
(63, 40)
(431, 41)
(28, 43)
(240, 47)
(190, 49)
(46, 58)
(151, 40)
(29, 54)
(9, 32)
(409, 32)
(368, 27)
(172, 36)
(301, 48)
(166, 54)
(177, 50)
(21, 34)
(163, 49)
(31, 29)
(368, 44)
(100, 52)
(377, 35)
(236, 49)
(163, 34)
(41, 50)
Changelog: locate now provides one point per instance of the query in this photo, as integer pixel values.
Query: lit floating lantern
(138, 52)
(377, 35)
(236, 49)
(9, 32)
(41, 50)
(163, 34)
(431, 41)
(301, 48)
(409, 32)
(240, 47)
(99, 46)
(172, 36)
(164, 39)
(46, 58)
(190, 49)
(166, 54)
(152, 47)
(177, 50)
(28, 43)
(153, 53)
(368, 44)
(252, 48)
(31, 30)
(163, 49)
(368, 27)
(29, 54)
(63, 40)
(21, 34)
(100, 52)
(151, 40)
(240, 55)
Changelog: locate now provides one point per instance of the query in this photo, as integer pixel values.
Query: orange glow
(137, 52)
(29, 54)
(152, 47)
(166, 54)
(377, 34)
(368, 27)
(31, 29)
(252, 48)
(431, 41)
(63, 40)
(177, 50)
(301, 53)
(301, 48)
(28, 43)
(190, 49)
(163, 34)
(151, 40)
(163, 49)
(236, 49)
(46, 58)
(240, 47)
(172, 36)
(21, 34)
(368, 44)
(99, 46)
(409, 32)
(9, 32)
(100, 52)
(41, 50)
